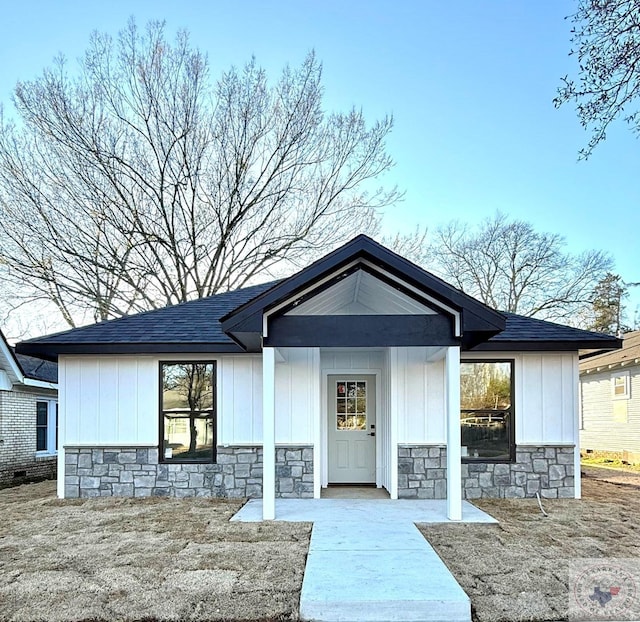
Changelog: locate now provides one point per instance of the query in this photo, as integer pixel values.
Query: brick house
(28, 416)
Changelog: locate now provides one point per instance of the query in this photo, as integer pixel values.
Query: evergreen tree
(607, 304)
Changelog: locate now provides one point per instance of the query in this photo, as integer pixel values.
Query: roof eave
(50, 351)
(40, 384)
(547, 345)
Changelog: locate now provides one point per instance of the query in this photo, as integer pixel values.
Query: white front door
(351, 412)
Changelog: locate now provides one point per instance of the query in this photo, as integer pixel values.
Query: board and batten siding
(108, 400)
(547, 402)
(297, 395)
(546, 396)
(420, 400)
(600, 429)
(114, 400)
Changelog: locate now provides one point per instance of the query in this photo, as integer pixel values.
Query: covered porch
(368, 453)
(363, 331)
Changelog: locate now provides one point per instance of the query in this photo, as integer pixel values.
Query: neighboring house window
(486, 410)
(620, 385)
(188, 411)
(46, 426)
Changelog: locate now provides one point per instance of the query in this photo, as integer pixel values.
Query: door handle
(371, 434)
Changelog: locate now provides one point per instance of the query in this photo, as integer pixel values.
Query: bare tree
(511, 267)
(137, 183)
(413, 245)
(606, 36)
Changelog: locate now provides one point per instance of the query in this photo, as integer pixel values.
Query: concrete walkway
(368, 562)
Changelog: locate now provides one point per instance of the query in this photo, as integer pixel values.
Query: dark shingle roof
(38, 369)
(521, 330)
(190, 325)
(20, 366)
(195, 326)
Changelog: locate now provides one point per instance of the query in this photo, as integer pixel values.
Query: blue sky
(470, 85)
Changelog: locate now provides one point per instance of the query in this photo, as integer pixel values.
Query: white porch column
(454, 466)
(268, 433)
(577, 405)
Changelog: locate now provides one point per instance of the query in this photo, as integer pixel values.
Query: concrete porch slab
(361, 510)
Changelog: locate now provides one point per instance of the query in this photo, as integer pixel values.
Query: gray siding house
(610, 401)
(28, 416)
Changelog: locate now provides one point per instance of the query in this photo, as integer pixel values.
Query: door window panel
(351, 405)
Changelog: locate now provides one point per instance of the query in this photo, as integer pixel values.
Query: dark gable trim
(50, 351)
(371, 271)
(353, 331)
(544, 345)
(361, 248)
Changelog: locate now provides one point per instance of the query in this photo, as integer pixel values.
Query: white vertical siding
(549, 406)
(344, 360)
(296, 395)
(128, 393)
(113, 400)
(239, 400)
(109, 400)
(601, 430)
(545, 397)
(421, 398)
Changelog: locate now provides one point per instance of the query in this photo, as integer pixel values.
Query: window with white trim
(620, 385)
(46, 426)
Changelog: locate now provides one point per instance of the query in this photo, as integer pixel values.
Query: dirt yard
(148, 559)
(518, 570)
(143, 559)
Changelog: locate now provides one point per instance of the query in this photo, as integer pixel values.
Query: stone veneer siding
(422, 474)
(136, 472)
(294, 472)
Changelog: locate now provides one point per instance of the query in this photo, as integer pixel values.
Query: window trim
(51, 427)
(627, 386)
(214, 453)
(512, 428)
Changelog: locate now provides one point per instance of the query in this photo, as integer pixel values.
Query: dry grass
(518, 570)
(167, 559)
(149, 559)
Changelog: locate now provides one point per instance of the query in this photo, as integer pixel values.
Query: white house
(28, 411)
(361, 368)
(610, 401)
